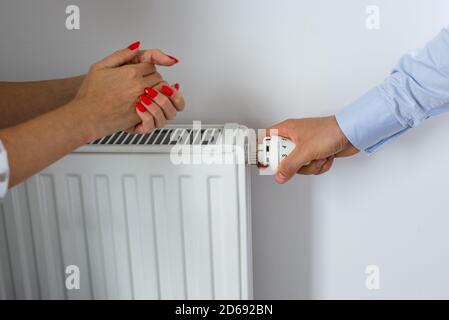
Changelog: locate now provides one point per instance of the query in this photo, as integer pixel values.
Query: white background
(259, 62)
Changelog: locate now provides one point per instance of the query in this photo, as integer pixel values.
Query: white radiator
(135, 224)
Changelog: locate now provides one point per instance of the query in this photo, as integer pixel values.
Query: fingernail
(145, 99)
(134, 46)
(321, 162)
(177, 86)
(173, 58)
(167, 91)
(151, 92)
(280, 177)
(140, 106)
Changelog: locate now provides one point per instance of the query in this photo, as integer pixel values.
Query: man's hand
(318, 141)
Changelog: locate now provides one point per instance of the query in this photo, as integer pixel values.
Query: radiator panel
(137, 226)
(6, 281)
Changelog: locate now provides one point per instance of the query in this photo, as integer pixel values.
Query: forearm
(33, 145)
(22, 101)
(417, 89)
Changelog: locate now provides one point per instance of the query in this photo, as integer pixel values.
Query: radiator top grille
(163, 137)
(162, 140)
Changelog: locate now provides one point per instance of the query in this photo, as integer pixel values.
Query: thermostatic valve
(273, 150)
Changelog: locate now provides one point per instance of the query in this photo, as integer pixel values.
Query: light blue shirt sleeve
(417, 89)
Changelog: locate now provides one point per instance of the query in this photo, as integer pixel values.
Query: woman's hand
(113, 87)
(160, 102)
(318, 141)
(157, 105)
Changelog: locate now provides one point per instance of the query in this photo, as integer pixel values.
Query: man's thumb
(120, 57)
(290, 165)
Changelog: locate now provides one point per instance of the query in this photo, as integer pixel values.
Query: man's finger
(314, 167)
(156, 56)
(284, 128)
(277, 130)
(290, 165)
(120, 57)
(326, 167)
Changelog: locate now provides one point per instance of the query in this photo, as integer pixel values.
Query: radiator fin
(169, 238)
(196, 233)
(73, 232)
(46, 228)
(102, 254)
(224, 239)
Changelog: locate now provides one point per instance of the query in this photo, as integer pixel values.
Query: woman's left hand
(160, 101)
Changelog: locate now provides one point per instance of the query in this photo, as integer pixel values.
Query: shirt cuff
(369, 123)
(4, 171)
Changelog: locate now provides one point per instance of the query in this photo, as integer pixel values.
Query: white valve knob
(273, 150)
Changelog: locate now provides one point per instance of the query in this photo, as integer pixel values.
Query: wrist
(340, 137)
(345, 146)
(80, 114)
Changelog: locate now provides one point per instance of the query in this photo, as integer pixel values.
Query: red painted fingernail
(177, 86)
(151, 92)
(145, 99)
(173, 58)
(140, 106)
(134, 46)
(167, 91)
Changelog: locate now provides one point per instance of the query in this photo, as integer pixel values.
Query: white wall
(258, 62)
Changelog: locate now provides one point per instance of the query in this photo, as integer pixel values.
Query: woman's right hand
(110, 90)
